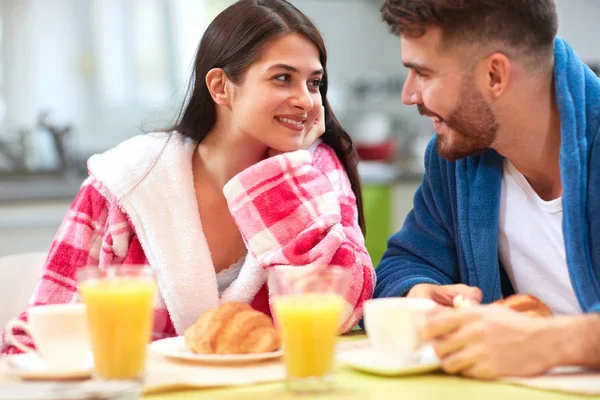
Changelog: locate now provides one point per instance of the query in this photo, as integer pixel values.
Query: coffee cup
(59, 333)
(394, 326)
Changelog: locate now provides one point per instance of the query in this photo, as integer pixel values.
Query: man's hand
(491, 341)
(444, 294)
(316, 131)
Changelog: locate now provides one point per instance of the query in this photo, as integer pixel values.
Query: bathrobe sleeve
(299, 209)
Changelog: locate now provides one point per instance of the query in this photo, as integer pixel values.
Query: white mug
(394, 326)
(59, 332)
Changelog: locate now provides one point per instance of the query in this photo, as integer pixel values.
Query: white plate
(30, 367)
(175, 347)
(367, 360)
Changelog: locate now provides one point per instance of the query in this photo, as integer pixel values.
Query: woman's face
(279, 99)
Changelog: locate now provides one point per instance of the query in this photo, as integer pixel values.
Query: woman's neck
(222, 155)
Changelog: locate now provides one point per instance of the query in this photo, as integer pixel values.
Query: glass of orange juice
(120, 312)
(309, 304)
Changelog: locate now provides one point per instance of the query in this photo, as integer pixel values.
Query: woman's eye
(283, 78)
(316, 83)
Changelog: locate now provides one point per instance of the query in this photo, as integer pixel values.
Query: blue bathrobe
(451, 235)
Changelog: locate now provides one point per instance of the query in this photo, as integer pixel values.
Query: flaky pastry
(232, 328)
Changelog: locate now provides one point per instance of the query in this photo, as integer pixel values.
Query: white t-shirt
(531, 243)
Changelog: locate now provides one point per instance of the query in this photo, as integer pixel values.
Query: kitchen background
(79, 76)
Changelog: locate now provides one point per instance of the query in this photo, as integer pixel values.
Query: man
(510, 192)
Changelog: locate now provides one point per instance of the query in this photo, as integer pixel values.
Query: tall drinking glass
(309, 306)
(119, 302)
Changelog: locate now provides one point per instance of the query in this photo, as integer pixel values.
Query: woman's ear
(218, 85)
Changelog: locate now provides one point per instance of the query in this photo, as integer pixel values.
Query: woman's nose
(303, 99)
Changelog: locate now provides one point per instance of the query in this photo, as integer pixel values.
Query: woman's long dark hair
(233, 41)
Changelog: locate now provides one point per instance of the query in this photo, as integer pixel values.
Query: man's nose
(410, 93)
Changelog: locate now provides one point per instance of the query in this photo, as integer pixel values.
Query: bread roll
(518, 302)
(526, 303)
(232, 328)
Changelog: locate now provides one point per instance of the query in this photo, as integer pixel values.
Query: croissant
(232, 328)
(526, 303)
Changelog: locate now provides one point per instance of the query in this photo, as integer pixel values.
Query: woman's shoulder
(123, 167)
(135, 149)
(95, 200)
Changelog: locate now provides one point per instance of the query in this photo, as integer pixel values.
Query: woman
(256, 123)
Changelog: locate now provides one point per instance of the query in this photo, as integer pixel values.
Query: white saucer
(175, 347)
(62, 390)
(30, 367)
(367, 360)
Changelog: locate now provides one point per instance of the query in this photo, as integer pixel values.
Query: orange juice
(120, 314)
(308, 324)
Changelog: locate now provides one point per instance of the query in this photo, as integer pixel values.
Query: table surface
(356, 385)
(351, 384)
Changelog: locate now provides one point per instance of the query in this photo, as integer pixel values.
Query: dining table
(352, 384)
(357, 385)
(349, 384)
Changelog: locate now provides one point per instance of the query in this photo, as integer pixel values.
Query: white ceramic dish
(29, 366)
(366, 360)
(175, 348)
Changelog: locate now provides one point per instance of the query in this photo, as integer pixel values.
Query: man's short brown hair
(527, 25)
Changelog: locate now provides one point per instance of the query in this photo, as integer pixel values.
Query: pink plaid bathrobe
(139, 207)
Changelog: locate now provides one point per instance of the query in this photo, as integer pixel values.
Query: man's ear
(498, 69)
(218, 86)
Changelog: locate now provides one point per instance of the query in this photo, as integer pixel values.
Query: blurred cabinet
(30, 227)
(385, 207)
(377, 206)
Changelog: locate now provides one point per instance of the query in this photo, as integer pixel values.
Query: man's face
(446, 92)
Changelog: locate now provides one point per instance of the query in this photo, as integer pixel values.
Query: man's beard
(473, 122)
